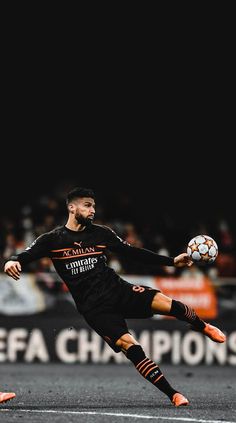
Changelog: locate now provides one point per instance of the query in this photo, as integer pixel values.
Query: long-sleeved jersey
(80, 259)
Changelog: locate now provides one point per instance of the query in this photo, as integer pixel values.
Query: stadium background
(157, 146)
(155, 139)
(158, 201)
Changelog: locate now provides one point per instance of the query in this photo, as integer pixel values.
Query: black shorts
(134, 302)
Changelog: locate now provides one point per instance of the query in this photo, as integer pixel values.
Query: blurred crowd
(166, 235)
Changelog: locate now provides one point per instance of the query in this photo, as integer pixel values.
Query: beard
(84, 221)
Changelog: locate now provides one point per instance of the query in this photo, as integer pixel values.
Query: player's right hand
(13, 269)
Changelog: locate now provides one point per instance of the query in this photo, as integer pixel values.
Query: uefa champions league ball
(202, 249)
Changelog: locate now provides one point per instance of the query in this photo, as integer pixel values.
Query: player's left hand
(182, 260)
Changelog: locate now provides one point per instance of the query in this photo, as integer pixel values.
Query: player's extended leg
(6, 396)
(149, 369)
(162, 304)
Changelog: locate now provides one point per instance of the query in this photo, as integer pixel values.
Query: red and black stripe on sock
(183, 312)
(149, 370)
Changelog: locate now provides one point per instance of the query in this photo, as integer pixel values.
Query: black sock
(149, 370)
(183, 312)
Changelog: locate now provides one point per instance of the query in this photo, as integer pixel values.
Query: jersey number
(138, 288)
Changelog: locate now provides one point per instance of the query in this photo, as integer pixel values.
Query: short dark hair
(79, 192)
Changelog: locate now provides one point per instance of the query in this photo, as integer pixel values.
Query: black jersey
(80, 259)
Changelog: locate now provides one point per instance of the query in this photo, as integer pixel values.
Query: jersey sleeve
(118, 245)
(38, 249)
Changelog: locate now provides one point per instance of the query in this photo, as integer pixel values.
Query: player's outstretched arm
(182, 260)
(13, 269)
(119, 246)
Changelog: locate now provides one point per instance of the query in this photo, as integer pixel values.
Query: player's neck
(73, 225)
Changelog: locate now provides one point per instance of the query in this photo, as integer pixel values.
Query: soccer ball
(202, 249)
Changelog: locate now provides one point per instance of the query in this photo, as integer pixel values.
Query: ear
(71, 207)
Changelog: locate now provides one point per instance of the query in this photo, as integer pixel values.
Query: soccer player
(6, 396)
(78, 252)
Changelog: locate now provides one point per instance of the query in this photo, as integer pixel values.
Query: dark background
(188, 174)
(153, 122)
(182, 163)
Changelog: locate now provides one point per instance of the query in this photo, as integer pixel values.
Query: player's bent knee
(161, 304)
(126, 341)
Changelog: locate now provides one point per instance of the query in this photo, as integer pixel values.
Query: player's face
(84, 210)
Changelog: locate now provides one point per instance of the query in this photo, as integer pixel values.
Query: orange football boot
(6, 396)
(178, 400)
(214, 333)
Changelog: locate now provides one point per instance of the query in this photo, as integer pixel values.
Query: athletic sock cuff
(135, 354)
